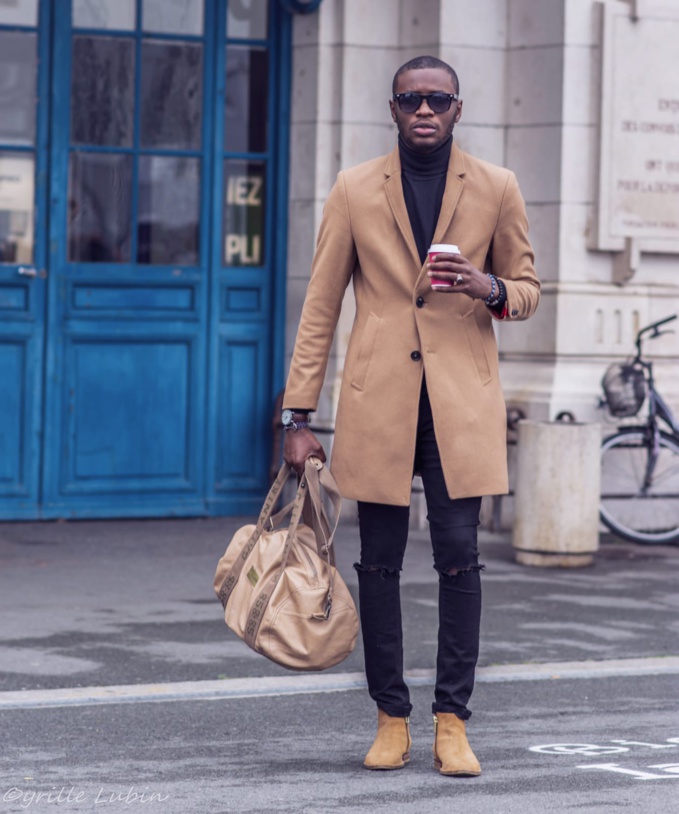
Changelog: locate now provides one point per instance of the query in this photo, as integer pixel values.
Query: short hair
(417, 63)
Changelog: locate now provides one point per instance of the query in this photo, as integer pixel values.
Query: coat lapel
(451, 196)
(394, 190)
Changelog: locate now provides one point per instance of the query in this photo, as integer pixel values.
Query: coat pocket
(365, 350)
(478, 349)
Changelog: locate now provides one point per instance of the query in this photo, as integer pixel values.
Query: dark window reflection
(244, 211)
(171, 95)
(247, 95)
(18, 71)
(102, 91)
(99, 208)
(169, 210)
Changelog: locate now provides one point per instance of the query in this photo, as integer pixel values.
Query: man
(420, 389)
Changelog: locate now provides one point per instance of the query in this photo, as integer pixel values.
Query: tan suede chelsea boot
(391, 749)
(452, 753)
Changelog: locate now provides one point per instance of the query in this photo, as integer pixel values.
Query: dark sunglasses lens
(409, 102)
(440, 102)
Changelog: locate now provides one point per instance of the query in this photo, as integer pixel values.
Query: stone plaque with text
(639, 148)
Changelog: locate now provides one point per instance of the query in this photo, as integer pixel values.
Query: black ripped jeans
(384, 533)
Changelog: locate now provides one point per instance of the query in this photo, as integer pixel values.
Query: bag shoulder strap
(318, 477)
(261, 601)
(230, 580)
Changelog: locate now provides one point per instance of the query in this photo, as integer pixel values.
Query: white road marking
(670, 771)
(670, 768)
(587, 749)
(303, 684)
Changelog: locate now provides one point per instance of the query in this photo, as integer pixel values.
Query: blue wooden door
(248, 224)
(162, 260)
(23, 129)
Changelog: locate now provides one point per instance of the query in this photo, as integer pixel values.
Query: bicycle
(640, 463)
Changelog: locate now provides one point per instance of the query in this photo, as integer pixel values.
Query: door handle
(27, 271)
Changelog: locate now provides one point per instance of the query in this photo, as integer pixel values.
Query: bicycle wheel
(648, 516)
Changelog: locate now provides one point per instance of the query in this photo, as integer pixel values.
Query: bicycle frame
(657, 407)
(663, 411)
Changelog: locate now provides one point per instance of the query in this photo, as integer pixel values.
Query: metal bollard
(558, 480)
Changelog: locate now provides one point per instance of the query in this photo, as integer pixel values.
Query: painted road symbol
(671, 769)
(589, 749)
(660, 771)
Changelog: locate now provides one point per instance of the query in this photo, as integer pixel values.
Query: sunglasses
(438, 102)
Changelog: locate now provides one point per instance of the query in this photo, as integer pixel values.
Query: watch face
(286, 418)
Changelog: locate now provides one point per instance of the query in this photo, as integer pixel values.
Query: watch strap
(296, 425)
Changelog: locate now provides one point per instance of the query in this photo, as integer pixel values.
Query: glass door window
(136, 134)
(246, 133)
(18, 92)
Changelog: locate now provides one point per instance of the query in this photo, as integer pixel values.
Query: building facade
(163, 167)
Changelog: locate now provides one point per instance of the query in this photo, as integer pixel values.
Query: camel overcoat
(365, 237)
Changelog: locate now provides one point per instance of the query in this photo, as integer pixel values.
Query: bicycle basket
(625, 389)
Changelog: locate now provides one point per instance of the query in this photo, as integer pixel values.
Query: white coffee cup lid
(448, 248)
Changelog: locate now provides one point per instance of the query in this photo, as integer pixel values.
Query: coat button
(419, 302)
(515, 313)
(416, 356)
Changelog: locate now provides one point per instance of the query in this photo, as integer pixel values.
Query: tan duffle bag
(279, 587)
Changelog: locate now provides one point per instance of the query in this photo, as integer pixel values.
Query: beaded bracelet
(491, 299)
(501, 296)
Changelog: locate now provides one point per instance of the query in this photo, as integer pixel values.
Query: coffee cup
(441, 248)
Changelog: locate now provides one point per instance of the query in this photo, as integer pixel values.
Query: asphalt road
(544, 746)
(92, 605)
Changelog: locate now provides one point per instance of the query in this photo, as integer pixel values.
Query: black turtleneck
(424, 181)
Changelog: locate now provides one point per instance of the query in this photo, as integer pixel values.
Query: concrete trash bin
(558, 476)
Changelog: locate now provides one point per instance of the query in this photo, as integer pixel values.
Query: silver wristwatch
(290, 424)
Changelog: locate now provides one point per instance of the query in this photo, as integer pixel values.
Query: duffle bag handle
(308, 490)
(230, 580)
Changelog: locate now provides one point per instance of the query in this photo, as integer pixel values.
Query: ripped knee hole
(382, 570)
(453, 572)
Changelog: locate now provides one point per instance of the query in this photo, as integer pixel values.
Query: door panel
(126, 398)
(242, 377)
(22, 254)
(13, 365)
(118, 430)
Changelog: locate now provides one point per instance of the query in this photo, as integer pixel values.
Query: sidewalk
(97, 603)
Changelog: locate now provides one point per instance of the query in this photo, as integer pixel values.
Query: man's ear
(459, 111)
(392, 107)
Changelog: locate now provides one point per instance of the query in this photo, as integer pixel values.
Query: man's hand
(473, 283)
(300, 445)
